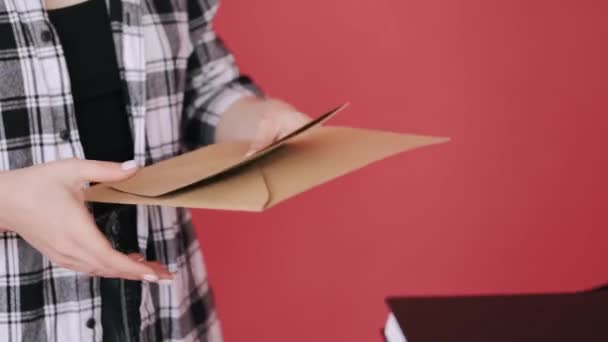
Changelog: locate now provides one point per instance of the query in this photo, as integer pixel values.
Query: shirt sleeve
(213, 80)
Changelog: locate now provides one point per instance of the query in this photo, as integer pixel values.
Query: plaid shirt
(178, 78)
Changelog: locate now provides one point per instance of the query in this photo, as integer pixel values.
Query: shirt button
(65, 135)
(115, 228)
(46, 36)
(91, 323)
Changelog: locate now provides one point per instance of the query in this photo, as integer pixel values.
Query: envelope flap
(202, 164)
(184, 170)
(246, 191)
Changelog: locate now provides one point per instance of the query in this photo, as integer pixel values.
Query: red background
(515, 203)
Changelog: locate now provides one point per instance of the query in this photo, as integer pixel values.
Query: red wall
(516, 202)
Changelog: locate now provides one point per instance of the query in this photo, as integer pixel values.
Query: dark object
(91, 323)
(46, 36)
(99, 101)
(603, 287)
(120, 298)
(65, 135)
(568, 317)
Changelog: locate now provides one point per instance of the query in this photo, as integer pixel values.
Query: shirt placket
(127, 17)
(51, 80)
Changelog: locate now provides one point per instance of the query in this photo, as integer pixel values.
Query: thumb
(100, 171)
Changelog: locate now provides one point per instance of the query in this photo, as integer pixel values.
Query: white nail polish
(128, 165)
(150, 277)
(165, 281)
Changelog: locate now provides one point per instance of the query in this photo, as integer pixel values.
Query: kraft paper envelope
(220, 177)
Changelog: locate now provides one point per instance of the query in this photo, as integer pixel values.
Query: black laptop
(567, 317)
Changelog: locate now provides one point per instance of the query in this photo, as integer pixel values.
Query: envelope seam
(267, 184)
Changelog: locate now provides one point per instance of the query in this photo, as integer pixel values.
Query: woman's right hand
(44, 204)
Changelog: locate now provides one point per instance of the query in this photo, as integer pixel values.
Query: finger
(99, 171)
(157, 266)
(84, 242)
(160, 270)
(91, 252)
(94, 249)
(161, 273)
(125, 267)
(92, 262)
(89, 242)
(268, 131)
(63, 260)
(136, 257)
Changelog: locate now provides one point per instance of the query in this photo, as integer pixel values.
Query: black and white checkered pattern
(178, 78)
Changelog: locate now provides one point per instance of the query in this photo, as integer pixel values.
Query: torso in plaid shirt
(178, 77)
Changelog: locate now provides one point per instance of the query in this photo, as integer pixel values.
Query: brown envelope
(220, 177)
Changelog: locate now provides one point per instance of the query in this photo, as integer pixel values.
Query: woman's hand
(44, 204)
(261, 121)
(276, 123)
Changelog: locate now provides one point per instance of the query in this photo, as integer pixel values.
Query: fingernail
(151, 277)
(250, 153)
(165, 281)
(128, 165)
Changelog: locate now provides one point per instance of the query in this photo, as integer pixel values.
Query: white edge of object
(392, 330)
